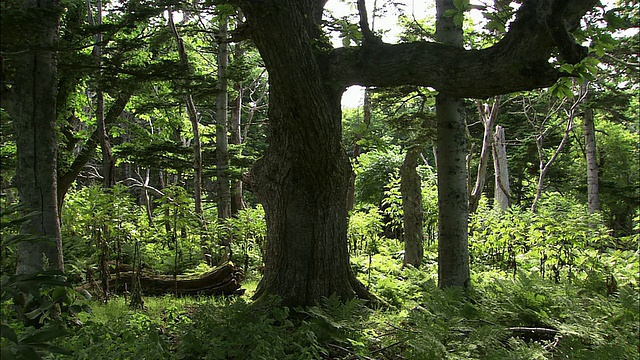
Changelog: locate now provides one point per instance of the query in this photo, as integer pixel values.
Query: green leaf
(461, 4)
(451, 13)
(7, 354)
(8, 333)
(44, 335)
(33, 314)
(28, 352)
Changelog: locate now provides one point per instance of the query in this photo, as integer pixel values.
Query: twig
(386, 347)
(350, 352)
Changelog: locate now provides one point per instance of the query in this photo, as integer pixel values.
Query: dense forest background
(143, 142)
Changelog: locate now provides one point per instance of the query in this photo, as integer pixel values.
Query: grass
(424, 322)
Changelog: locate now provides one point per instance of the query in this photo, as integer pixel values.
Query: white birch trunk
(502, 191)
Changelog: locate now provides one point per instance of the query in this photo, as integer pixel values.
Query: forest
(184, 179)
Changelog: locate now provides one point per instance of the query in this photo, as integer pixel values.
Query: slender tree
(193, 118)
(222, 140)
(502, 190)
(235, 138)
(488, 115)
(411, 190)
(569, 112)
(593, 202)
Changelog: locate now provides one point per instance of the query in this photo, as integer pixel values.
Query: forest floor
(506, 315)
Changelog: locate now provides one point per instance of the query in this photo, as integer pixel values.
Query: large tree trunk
(593, 203)
(34, 117)
(502, 190)
(222, 141)
(453, 203)
(303, 177)
(411, 190)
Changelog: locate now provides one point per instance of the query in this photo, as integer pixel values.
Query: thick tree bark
(34, 117)
(593, 203)
(488, 116)
(453, 198)
(502, 190)
(411, 191)
(222, 141)
(519, 61)
(302, 179)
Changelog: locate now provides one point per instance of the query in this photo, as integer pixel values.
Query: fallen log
(223, 280)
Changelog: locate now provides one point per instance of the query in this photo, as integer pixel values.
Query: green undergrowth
(420, 322)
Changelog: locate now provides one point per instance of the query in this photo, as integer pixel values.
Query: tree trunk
(366, 117)
(34, 117)
(502, 192)
(193, 118)
(237, 201)
(108, 162)
(453, 202)
(222, 152)
(593, 203)
(488, 116)
(411, 191)
(302, 179)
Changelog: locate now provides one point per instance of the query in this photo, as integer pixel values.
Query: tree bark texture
(222, 141)
(502, 190)
(519, 61)
(453, 196)
(593, 203)
(411, 190)
(34, 117)
(302, 179)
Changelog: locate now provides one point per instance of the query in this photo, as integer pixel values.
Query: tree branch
(367, 35)
(520, 61)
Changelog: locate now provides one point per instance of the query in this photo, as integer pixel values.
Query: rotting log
(223, 280)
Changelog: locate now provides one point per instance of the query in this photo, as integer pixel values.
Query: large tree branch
(520, 61)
